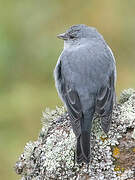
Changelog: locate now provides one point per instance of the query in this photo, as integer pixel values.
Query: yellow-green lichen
(116, 152)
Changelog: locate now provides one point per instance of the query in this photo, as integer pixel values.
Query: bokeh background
(29, 51)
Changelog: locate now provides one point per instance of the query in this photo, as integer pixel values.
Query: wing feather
(104, 103)
(74, 107)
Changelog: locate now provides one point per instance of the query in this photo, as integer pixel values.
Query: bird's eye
(72, 37)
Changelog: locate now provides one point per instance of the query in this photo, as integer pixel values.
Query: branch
(112, 156)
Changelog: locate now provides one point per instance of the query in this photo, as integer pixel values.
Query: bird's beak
(62, 36)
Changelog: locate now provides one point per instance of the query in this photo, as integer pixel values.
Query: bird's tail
(83, 141)
(83, 148)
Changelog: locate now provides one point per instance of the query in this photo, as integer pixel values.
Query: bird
(85, 78)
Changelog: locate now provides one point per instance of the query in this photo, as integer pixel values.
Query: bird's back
(87, 66)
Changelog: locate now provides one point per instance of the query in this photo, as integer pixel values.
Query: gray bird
(85, 76)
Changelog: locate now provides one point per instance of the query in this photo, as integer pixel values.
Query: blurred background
(29, 51)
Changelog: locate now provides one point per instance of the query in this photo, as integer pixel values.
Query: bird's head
(77, 33)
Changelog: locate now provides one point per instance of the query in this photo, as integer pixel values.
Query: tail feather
(79, 155)
(85, 145)
(83, 148)
(83, 141)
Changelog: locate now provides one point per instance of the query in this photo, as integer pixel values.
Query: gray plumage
(85, 76)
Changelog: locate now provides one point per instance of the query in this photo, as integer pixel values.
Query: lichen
(133, 134)
(116, 152)
(52, 155)
(124, 96)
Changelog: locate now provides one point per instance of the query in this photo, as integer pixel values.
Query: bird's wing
(104, 103)
(67, 93)
(74, 108)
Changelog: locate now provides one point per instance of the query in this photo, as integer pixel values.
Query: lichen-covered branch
(112, 156)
